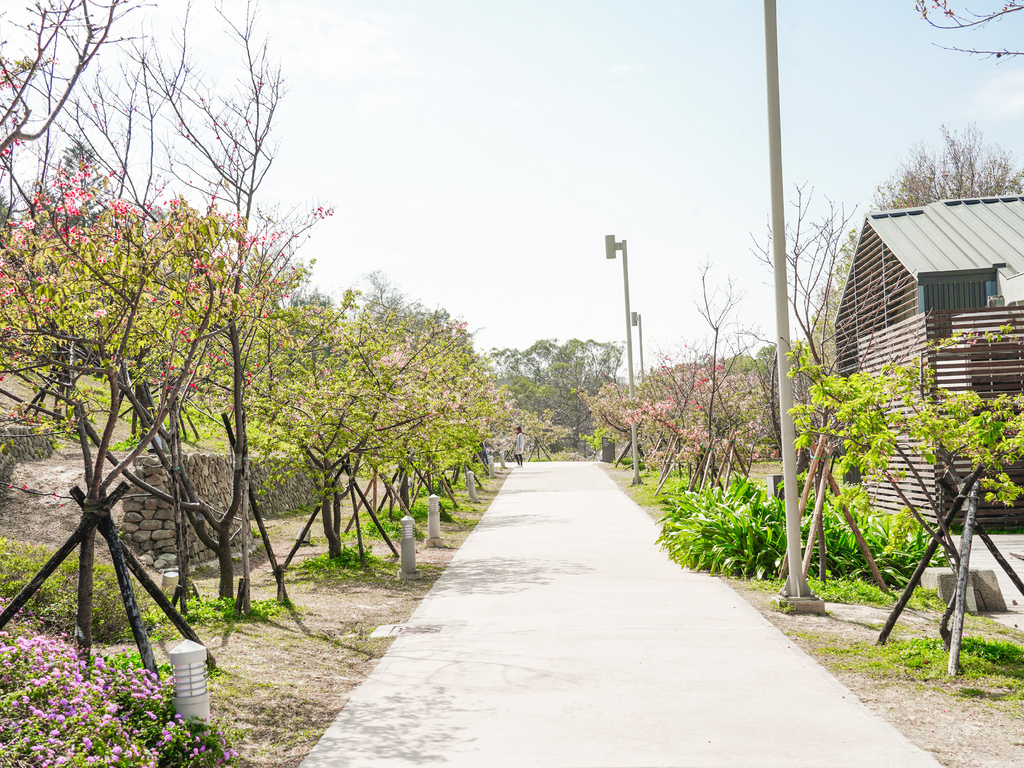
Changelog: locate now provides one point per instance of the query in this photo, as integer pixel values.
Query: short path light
(169, 580)
(191, 696)
(501, 458)
(408, 543)
(434, 520)
(471, 484)
(490, 466)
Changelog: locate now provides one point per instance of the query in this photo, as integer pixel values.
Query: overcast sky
(479, 152)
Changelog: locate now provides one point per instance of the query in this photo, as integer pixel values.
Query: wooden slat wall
(989, 367)
(881, 293)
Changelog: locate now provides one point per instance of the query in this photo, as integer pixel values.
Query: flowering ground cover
(60, 709)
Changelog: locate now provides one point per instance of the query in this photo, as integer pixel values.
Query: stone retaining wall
(21, 444)
(148, 522)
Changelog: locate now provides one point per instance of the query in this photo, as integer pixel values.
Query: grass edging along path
(975, 721)
(281, 681)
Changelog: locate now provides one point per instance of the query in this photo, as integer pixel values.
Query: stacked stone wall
(21, 444)
(148, 522)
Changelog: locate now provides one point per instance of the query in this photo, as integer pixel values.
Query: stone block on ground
(983, 594)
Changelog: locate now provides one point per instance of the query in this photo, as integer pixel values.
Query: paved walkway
(561, 636)
(982, 558)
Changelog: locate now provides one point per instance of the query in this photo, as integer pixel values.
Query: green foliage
(548, 378)
(222, 611)
(54, 605)
(323, 565)
(595, 440)
(924, 658)
(899, 411)
(741, 532)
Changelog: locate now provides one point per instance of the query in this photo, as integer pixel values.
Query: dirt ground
(961, 731)
(280, 683)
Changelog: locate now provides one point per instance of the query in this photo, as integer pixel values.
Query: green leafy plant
(741, 532)
(222, 611)
(347, 561)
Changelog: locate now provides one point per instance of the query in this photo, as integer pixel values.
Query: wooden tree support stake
(373, 517)
(167, 606)
(131, 607)
(301, 537)
(852, 522)
(999, 557)
(282, 594)
(816, 523)
(87, 523)
(929, 553)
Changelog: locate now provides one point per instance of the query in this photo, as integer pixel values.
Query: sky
(478, 152)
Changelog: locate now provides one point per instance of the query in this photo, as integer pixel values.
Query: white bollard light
(409, 571)
(305, 535)
(490, 466)
(169, 580)
(434, 521)
(471, 485)
(191, 695)
(501, 458)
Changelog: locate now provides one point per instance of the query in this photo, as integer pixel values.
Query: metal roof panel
(954, 235)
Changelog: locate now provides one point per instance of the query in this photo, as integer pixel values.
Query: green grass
(994, 667)
(345, 564)
(221, 612)
(857, 592)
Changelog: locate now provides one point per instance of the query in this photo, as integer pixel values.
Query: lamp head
(609, 246)
(635, 317)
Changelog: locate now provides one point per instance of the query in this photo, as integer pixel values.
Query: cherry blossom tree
(87, 311)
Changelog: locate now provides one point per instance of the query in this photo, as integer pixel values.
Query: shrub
(222, 611)
(54, 605)
(742, 532)
(57, 708)
(348, 560)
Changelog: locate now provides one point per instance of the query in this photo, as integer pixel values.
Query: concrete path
(982, 558)
(561, 636)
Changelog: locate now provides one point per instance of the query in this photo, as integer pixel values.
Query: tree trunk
(327, 517)
(226, 564)
(83, 620)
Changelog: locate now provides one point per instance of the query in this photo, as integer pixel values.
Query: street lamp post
(638, 324)
(610, 247)
(796, 590)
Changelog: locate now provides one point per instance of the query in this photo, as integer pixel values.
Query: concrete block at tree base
(983, 593)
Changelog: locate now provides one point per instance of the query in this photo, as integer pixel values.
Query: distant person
(520, 445)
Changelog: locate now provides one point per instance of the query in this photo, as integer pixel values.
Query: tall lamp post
(638, 324)
(610, 247)
(796, 590)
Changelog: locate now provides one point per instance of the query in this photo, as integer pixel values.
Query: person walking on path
(520, 445)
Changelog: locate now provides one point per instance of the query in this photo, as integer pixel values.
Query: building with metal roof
(949, 255)
(919, 276)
